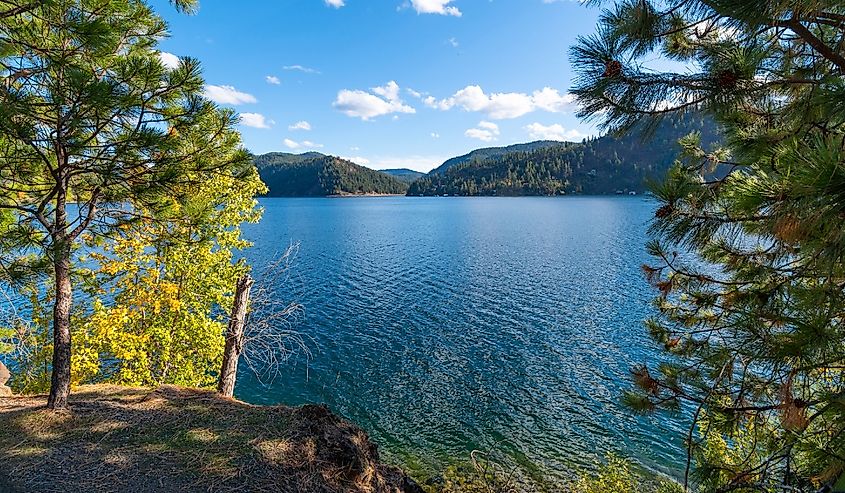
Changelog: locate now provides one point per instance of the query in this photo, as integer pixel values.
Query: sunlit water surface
(446, 325)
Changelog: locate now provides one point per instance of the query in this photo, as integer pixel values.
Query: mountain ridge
(314, 174)
(404, 174)
(601, 165)
(490, 152)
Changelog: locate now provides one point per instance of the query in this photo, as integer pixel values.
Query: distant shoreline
(363, 195)
(352, 195)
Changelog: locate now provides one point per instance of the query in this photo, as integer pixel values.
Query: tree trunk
(234, 338)
(60, 382)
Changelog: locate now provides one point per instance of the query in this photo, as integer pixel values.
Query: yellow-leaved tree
(162, 289)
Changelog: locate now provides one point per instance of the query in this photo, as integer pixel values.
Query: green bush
(617, 475)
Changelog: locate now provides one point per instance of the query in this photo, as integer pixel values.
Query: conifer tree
(11, 8)
(94, 129)
(748, 238)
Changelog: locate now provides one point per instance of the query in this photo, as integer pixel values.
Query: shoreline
(353, 195)
(377, 195)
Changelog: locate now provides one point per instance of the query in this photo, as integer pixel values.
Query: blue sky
(388, 83)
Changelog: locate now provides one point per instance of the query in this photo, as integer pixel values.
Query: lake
(446, 325)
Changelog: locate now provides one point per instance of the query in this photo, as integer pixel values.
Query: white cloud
(300, 125)
(453, 42)
(435, 135)
(551, 100)
(441, 7)
(484, 131)
(301, 68)
(305, 144)
(390, 91)
(335, 3)
(227, 95)
(553, 132)
(169, 60)
(255, 120)
(272, 79)
(501, 106)
(383, 100)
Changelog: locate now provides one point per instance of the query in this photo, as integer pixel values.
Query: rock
(4, 377)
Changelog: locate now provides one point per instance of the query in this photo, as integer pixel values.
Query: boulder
(4, 377)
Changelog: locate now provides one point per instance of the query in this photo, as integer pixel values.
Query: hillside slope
(493, 152)
(119, 439)
(317, 175)
(596, 166)
(404, 174)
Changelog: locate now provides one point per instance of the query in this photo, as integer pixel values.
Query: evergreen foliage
(96, 136)
(316, 175)
(494, 152)
(749, 265)
(594, 166)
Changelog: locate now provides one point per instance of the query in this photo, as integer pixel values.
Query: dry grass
(186, 440)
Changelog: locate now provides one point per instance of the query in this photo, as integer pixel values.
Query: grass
(177, 439)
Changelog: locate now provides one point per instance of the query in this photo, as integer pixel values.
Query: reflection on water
(443, 325)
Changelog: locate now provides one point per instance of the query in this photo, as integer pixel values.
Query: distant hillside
(493, 152)
(596, 166)
(316, 175)
(404, 174)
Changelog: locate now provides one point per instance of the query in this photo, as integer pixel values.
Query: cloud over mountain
(382, 100)
(506, 105)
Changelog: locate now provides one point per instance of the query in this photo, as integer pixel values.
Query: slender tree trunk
(60, 382)
(234, 338)
(61, 243)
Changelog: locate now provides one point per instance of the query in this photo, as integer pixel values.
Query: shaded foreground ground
(176, 439)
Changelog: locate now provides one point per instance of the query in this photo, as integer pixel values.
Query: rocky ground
(176, 439)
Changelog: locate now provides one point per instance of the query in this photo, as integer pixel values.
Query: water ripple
(447, 325)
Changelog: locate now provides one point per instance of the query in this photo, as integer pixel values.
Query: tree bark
(60, 381)
(234, 338)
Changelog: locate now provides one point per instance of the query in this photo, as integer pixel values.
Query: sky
(387, 83)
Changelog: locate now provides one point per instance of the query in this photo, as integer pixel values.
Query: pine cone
(612, 69)
(664, 211)
(727, 79)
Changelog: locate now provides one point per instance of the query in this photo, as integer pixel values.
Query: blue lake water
(445, 325)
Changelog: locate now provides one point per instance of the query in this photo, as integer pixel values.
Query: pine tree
(748, 239)
(11, 8)
(90, 126)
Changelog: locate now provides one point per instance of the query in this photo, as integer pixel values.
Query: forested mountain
(404, 174)
(317, 175)
(596, 166)
(493, 152)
